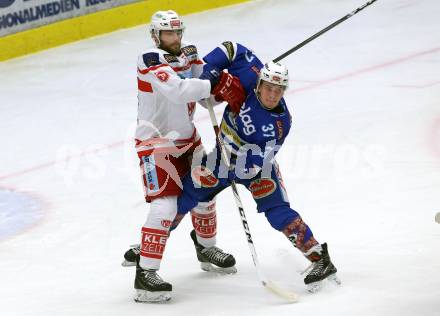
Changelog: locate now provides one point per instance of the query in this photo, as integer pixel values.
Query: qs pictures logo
(6, 3)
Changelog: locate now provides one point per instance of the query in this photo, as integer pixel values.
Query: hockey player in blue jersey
(253, 134)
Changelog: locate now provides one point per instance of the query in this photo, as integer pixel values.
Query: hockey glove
(212, 74)
(229, 89)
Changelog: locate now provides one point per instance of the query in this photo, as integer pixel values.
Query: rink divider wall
(97, 23)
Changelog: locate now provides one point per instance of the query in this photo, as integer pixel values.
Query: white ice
(361, 165)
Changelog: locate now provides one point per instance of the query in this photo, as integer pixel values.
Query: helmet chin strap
(155, 35)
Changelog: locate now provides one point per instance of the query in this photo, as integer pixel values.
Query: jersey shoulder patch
(189, 50)
(151, 59)
(169, 58)
(230, 49)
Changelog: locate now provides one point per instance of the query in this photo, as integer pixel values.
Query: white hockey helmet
(165, 21)
(274, 73)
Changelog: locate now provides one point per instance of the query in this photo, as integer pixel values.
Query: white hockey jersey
(168, 89)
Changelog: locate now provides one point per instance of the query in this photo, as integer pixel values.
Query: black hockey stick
(288, 295)
(291, 297)
(311, 38)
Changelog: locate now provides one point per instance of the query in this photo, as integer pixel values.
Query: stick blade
(287, 295)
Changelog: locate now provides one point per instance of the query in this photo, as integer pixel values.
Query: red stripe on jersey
(161, 140)
(197, 62)
(144, 86)
(147, 70)
(192, 62)
(177, 69)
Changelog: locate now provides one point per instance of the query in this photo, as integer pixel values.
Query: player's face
(171, 41)
(270, 94)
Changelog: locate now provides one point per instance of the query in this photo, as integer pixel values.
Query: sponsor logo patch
(162, 76)
(153, 242)
(280, 129)
(166, 223)
(256, 70)
(151, 59)
(204, 177)
(175, 23)
(205, 224)
(189, 50)
(230, 49)
(170, 58)
(262, 187)
(149, 166)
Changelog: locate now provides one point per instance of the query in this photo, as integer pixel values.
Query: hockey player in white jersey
(170, 81)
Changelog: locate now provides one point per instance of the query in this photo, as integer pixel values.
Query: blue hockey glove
(212, 74)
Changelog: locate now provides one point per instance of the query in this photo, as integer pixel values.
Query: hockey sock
(155, 231)
(204, 220)
(300, 235)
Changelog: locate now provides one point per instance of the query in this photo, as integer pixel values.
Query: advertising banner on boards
(20, 15)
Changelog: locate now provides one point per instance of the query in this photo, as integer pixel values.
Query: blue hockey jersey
(238, 60)
(256, 132)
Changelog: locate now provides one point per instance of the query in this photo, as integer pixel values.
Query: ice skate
(150, 288)
(320, 270)
(213, 259)
(131, 256)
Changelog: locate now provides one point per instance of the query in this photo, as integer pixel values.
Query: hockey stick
(289, 296)
(311, 38)
(285, 294)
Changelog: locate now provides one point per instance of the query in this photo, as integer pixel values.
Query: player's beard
(173, 49)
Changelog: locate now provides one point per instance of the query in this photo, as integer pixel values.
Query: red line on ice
(52, 163)
(309, 87)
(366, 70)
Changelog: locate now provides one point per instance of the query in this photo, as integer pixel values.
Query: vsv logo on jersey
(162, 76)
(249, 128)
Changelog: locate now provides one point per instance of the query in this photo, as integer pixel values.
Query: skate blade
(126, 263)
(143, 296)
(317, 286)
(206, 266)
(334, 279)
(314, 287)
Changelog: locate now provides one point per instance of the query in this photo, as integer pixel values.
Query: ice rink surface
(361, 165)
